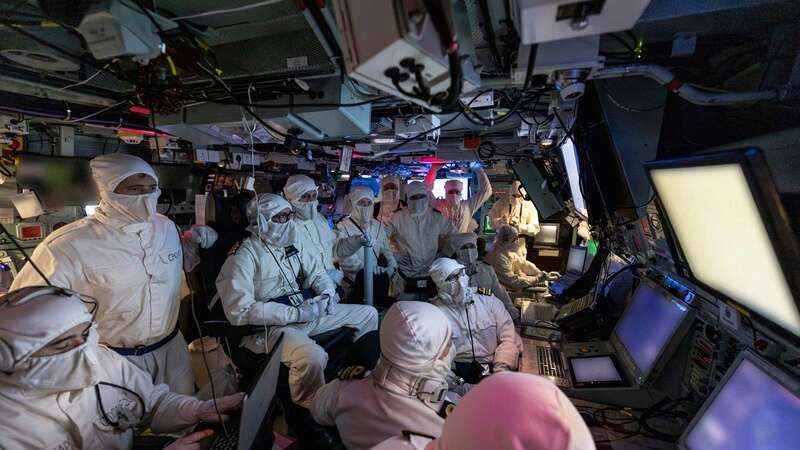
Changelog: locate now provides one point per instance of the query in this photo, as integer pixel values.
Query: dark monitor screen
(647, 326)
(548, 234)
(577, 257)
(600, 368)
(750, 411)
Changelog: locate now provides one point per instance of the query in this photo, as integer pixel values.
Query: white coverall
(515, 211)
(390, 199)
(355, 226)
(457, 210)
(415, 359)
(513, 270)
(416, 237)
(312, 227)
(479, 322)
(50, 402)
(509, 411)
(481, 275)
(260, 271)
(132, 267)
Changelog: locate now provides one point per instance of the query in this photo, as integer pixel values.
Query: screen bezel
(667, 349)
(583, 263)
(768, 369)
(550, 244)
(769, 206)
(622, 382)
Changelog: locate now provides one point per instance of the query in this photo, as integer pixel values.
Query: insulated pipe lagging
(369, 264)
(687, 92)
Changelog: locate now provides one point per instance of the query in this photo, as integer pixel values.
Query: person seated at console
(61, 390)
(483, 332)
(463, 248)
(509, 411)
(513, 270)
(275, 280)
(408, 390)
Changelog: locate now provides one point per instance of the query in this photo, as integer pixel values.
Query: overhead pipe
(686, 91)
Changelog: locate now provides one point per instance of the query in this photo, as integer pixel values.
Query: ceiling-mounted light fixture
(384, 140)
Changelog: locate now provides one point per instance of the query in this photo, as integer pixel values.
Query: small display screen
(577, 257)
(440, 192)
(648, 324)
(752, 411)
(548, 234)
(594, 369)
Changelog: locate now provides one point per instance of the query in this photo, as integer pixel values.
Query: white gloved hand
(308, 311)
(190, 442)
(333, 300)
(336, 275)
(322, 302)
(207, 411)
(204, 236)
(350, 245)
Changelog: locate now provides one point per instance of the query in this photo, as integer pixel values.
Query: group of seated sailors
(447, 332)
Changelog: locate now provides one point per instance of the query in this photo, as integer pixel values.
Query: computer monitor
(649, 329)
(754, 407)
(576, 260)
(439, 191)
(548, 234)
(595, 371)
(727, 224)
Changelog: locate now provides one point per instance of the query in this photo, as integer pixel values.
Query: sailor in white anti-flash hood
(508, 411)
(55, 376)
(358, 228)
(463, 247)
(417, 232)
(457, 209)
(482, 328)
(131, 259)
(312, 227)
(275, 280)
(408, 389)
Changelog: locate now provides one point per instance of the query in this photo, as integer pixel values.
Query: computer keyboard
(575, 306)
(229, 441)
(550, 361)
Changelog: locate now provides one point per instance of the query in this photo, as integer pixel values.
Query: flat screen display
(751, 411)
(648, 325)
(715, 219)
(438, 187)
(594, 369)
(548, 234)
(577, 257)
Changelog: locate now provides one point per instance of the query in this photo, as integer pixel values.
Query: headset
(125, 417)
(428, 390)
(30, 293)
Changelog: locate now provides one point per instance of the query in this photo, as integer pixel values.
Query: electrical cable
(489, 30)
(205, 359)
(469, 328)
(113, 423)
(227, 10)
(216, 79)
(25, 255)
(88, 79)
(450, 45)
(623, 107)
(97, 113)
